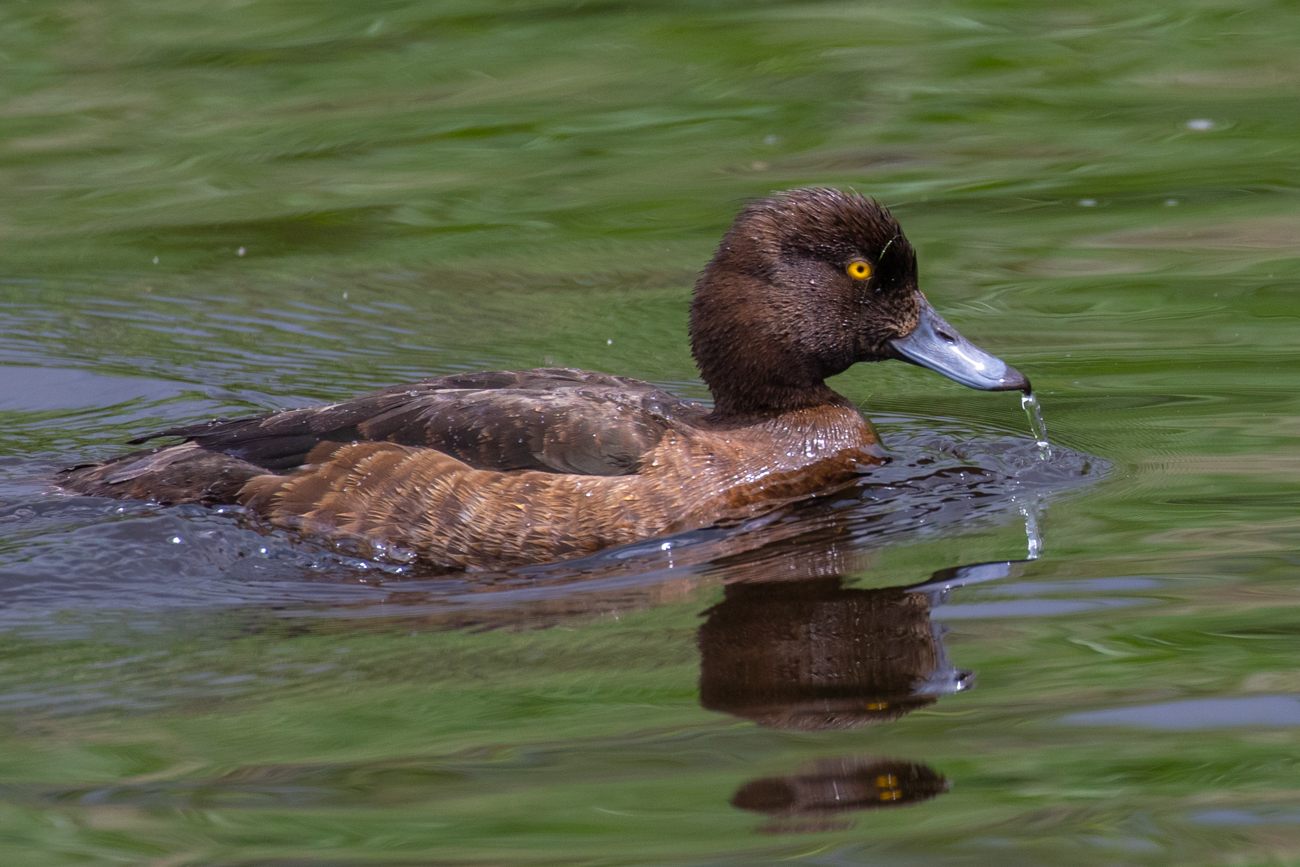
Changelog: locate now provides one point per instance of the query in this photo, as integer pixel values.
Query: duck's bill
(937, 345)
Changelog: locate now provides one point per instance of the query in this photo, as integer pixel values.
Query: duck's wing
(551, 419)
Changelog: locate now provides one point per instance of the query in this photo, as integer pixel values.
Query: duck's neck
(752, 379)
(735, 403)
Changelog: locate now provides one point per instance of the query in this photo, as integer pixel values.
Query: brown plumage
(496, 469)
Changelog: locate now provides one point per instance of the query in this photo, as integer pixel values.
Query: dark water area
(983, 652)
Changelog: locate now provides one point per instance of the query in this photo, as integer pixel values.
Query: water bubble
(1169, 203)
(241, 252)
(176, 540)
(1087, 203)
(1200, 124)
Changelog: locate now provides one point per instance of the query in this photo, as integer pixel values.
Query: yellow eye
(858, 269)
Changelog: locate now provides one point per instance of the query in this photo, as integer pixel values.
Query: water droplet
(1169, 203)
(176, 540)
(241, 252)
(155, 260)
(1087, 203)
(1200, 124)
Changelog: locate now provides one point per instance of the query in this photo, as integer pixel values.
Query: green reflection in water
(427, 187)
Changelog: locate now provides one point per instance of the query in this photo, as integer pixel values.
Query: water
(1037, 426)
(981, 654)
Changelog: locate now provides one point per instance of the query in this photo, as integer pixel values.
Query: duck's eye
(858, 269)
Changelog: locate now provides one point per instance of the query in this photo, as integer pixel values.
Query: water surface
(979, 655)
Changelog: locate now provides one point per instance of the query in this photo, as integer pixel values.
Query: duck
(500, 469)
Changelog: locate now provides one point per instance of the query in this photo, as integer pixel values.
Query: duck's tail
(169, 475)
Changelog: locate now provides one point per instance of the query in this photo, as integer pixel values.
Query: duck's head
(804, 285)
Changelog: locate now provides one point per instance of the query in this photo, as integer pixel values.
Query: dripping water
(1035, 413)
(1033, 536)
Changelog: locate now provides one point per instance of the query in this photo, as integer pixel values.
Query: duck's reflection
(813, 654)
(810, 653)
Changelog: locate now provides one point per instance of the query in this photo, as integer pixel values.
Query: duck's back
(554, 420)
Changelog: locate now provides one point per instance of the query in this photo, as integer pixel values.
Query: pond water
(983, 654)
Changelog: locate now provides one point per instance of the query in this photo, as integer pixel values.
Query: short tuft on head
(825, 217)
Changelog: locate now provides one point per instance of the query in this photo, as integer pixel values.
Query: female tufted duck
(491, 470)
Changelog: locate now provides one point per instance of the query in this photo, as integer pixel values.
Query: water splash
(1036, 424)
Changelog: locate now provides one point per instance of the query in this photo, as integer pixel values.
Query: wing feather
(550, 419)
